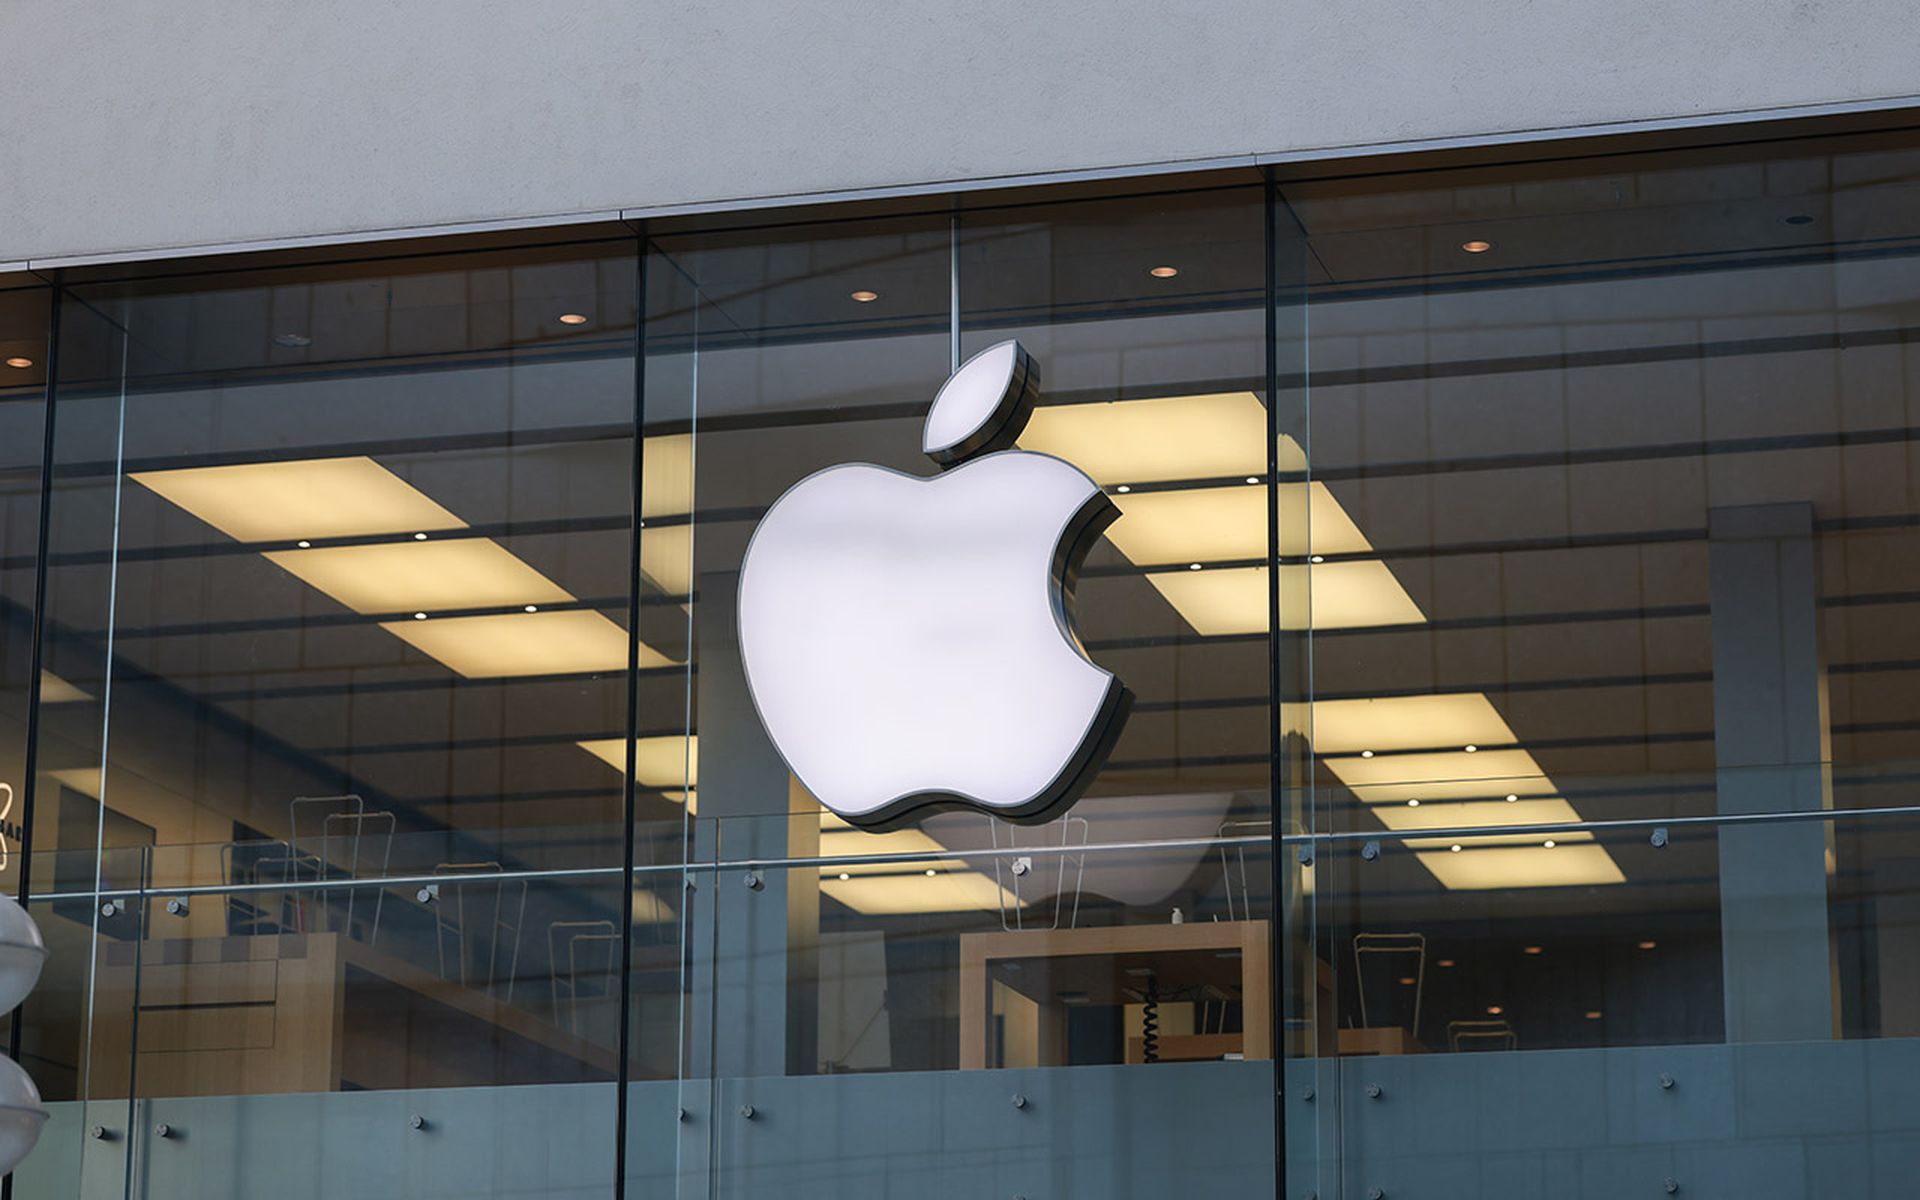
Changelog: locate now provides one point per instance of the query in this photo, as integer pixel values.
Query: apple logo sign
(906, 640)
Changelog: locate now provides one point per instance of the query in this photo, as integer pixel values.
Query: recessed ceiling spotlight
(1455, 848)
(1316, 558)
(1123, 489)
(419, 537)
(304, 544)
(1163, 272)
(1366, 754)
(1445, 962)
(1648, 945)
(1471, 749)
(1413, 804)
(533, 608)
(1549, 843)
(1406, 981)
(1594, 1014)
(573, 318)
(1534, 949)
(1494, 1010)
(844, 875)
(1253, 479)
(865, 297)
(1193, 566)
(419, 616)
(1476, 246)
(19, 362)
(931, 872)
(292, 341)
(1511, 797)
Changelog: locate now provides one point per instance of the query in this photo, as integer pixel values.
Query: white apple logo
(906, 640)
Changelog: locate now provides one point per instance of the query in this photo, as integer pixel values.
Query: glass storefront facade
(1514, 575)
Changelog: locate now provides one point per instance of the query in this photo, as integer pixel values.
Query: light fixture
(437, 576)
(1512, 797)
(1253, 479)
(1445, 962)
(1648, 945)
(1535, 950)
(302, 498)
(1123, 489)
(1494, 1010)
(1470, 749)
(1193, 566)
(1317, 558)
(419, 537)
(304, 544)
(1476, 246)
(570, 642)
(19, 362)
(1406, 981)
(863, 296)
(21, 1115)
(1455, 848)
(573, 318)
(1414, 803)
(1163, 272)
(1366, 754)
(23, 952)
(660, 761)
(931, 872)
(419, 616)
(844, 876)
(1549, 843)
(1594, 1014)
(533, 608)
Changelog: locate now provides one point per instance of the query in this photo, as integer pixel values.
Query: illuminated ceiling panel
(570, 642)
(1528, 866)
(666, 761)
(666, 475)
(433, 576)
(55, 690)
(947, 890)
(1408, 723)
(666, 557)
(1345, 595)
(1156, 440)
(305, 498)
(1221, 523)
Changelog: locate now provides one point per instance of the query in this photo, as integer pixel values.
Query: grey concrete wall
(133, 126)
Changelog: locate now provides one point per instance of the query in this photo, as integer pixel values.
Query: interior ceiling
(1527, 440)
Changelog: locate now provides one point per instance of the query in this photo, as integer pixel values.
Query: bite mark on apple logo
(907, 641)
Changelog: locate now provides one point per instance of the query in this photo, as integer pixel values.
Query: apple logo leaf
(983, 406)
(906, 640)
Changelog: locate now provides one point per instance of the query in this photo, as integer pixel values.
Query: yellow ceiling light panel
(666, 557)
(662, 761)
(1210, 524)
(841, 843)
(1438, 814)
(1443, 775)
(1522, 866)
(946, 890)
(1448, 720)
(1219, 601)
(55, 690)
(433, 576)
(304, 498)
(1155, 440)
(569, 642)
(85, 780)
(666, 475)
